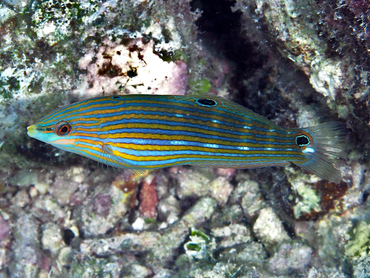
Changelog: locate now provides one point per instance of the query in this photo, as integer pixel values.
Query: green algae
(309, 200)
(359, 245)
(201, 86)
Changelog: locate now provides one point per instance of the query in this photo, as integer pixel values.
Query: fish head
(58, 134)
(64, 128)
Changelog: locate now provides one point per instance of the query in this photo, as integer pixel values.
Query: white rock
(138, 225)
(51, 238)
(220, 190)
(268, 227)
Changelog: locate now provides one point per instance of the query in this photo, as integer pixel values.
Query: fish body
(156, 131)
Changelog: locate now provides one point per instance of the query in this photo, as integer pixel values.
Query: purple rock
(4, 229)
(102, 205)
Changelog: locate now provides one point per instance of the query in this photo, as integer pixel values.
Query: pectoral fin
(137, 173)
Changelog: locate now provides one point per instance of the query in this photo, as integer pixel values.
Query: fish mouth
(31, 130)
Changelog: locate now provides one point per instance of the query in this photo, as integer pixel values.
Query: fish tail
(327, 147)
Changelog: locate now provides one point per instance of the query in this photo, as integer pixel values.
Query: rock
(361, 268)
(148, 198)
(51, 238)
(268, 228)
(220, 190)
(232, 235)
(27, 258)
(291, 257)
(192, 183)
(21, 199)
(4, 229)
(169, 209)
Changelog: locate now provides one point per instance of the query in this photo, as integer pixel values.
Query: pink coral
(148, 199)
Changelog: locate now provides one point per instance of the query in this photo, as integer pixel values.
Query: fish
(145, 132)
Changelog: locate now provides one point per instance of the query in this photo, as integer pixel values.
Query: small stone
(200, 212)
(25, 178)
(220, 190)
(192, 183)
(64, 256)
(227, 173)
(102, 204)
(361, 268)
(222, 270)
(43, 274)
(232, 234)
(26, 247)
(76, 174)
(268, 228)
(42, 187)
(324, 272)
(48, 206)
(164, 273)
(33, 192)
(138, 225)
(162, 186)
(251, 253)
(230, 214)
(140, 271)
(252, 201)
(75, 231)
(247, 194)
(169, 209)
(21, 199)
(93, 222)
(3, 259)
(149, 198)
(290, 257)
(4, 229)
(63, 188)
(52, 239)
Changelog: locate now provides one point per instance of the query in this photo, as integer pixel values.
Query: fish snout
(31, 130)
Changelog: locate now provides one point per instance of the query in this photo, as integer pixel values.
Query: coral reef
(293, 62)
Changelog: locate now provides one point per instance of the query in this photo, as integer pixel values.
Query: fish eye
(302, 140)
(207, 102)
(62, 128)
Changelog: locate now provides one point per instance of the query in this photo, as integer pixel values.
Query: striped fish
(155, 131)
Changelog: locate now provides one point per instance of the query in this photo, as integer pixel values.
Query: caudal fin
(328, 145)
